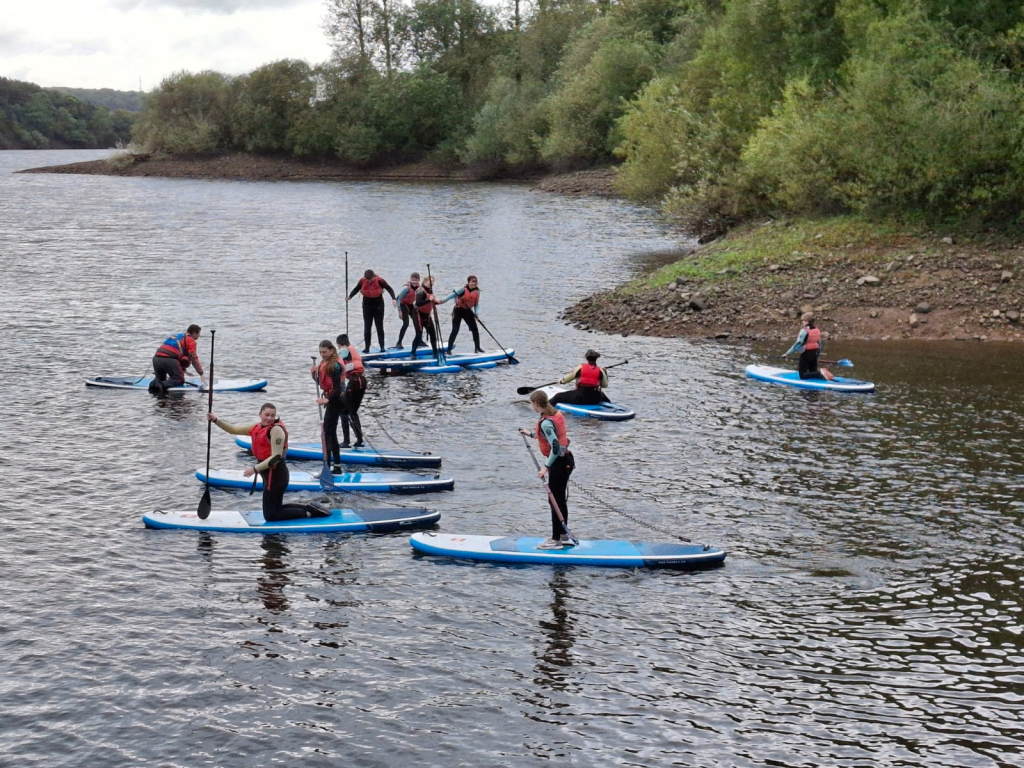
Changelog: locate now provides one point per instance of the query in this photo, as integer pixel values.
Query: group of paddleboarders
(808, 345)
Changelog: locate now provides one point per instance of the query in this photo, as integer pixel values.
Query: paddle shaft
(346, 299)
(551, 496)
(511, 359)
(845, 362)
(528, 390)
(204, 503)
(326, 476)
(439, 356)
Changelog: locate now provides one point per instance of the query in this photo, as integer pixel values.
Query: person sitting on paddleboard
(354, 389)
(589, 378)
(559, 464)
(808, 344)
(330, 377)
(372, 286)
(467, 307)
(172, 357)
(405, 302)
(269, 446)
(425, 303)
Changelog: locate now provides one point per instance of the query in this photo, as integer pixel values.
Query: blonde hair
(808, 317)
(541, 399)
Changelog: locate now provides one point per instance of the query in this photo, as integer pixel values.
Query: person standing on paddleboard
(558, 465)
(354, 388)
(405, 303)
(467, 307)
(172, 357)
(269, 446)
(425, 303)
(330, 377)
(590, 380)
(372, 286)
(808, 344)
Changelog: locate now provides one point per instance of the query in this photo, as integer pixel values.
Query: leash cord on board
(643, 523)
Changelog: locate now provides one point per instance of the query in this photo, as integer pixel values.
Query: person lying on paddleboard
(354, 389)
(589, 378)
(269, 446)
(467, 307)
(808, 344)
(559, 464)
(330, 378)
(425, 303)
(405, 303)
(172, 357)
(372, 286)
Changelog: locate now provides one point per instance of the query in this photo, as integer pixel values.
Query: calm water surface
(869, 613)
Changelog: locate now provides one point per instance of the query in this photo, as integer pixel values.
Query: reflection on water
(869, 613)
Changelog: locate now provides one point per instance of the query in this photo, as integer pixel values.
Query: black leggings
(275, 483)
(405, 312)
(352, 400)
(558, 482)
(373, 314)
(808, 365)
(580, 396)
(421, 323)
(333, 413)
(458, 315)
(168, 371)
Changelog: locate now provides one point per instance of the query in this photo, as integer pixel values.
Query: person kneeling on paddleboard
(172, 357)
(269, 446)
(559, 464)
(808, 344)
(589, 382)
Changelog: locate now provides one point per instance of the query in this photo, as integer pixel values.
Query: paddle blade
(326, 478)
(845, 363)
(512, 359)
(203, 510)
(525, 390)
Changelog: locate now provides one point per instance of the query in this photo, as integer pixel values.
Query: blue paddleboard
(340, 520)
(601, 411)
(365, 455)
(193, 384)
(792, 379)
(378, 482)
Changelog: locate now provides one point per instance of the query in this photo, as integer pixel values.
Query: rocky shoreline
(874, 286)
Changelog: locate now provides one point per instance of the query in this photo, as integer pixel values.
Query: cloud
(211, 6)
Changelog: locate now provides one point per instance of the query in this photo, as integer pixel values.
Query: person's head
(539, 403)
(428, 282)
(592, 356)
(343, 341)
(808, 318)
(268, 414)
(194, 331)
(369, 274)
(471, 282)
(328, 352)
(414, 278)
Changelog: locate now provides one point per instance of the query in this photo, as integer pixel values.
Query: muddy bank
(924, 287)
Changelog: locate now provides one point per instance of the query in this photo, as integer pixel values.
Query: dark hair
(268, 405)
(194, 329)
(368, 274)
(471, 277)
(592, 356)
(343, 340)
(414, 276)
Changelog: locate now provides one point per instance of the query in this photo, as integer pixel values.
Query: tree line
(37, 118)
(717, 109)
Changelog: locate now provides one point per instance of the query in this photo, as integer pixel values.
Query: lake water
(869, 613)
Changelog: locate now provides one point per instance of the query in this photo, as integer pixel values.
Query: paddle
(844, 363)
(326, 476)
(528, 390)
(204, 503)
(439, 356)
(346, 298)
(551, 496)
(511, 359)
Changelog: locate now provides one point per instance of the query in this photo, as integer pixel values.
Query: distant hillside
(36, 118)
(129, 101)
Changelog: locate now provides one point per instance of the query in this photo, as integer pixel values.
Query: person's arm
(799, 346)
(388, 288)
(548, 428)
(401, 294)
(337, 387)
(569, 378)
(356, 287)
(193, 354)
(276, 449)
(234, 429)
(452, 295)
(604, 378)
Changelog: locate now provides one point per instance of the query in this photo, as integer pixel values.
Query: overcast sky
(114, 43)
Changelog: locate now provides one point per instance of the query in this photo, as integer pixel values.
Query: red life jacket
(813, 339)
(558, 420)
(356, 360)
(174, 347)
(371, 289)
(410, 295)
(261, 440)
(590, 376)
(325, 380)
(468, 299)
(428, 306)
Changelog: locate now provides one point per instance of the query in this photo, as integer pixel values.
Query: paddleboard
(409, 364)
(377, 482)
(340, 520)
(192, 384)
(609, 554)
(792, 379)
(366, 455)
(392, 352)
(602, 411)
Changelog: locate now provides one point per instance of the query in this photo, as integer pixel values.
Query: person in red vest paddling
(269, 446)
(372, 286)
(173, 357)
(590, 380)
(405, 303)
(355, 388)
(808, 344)
(467, 306)
(558, 465)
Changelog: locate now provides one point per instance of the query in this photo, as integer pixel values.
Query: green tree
(187, 113)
